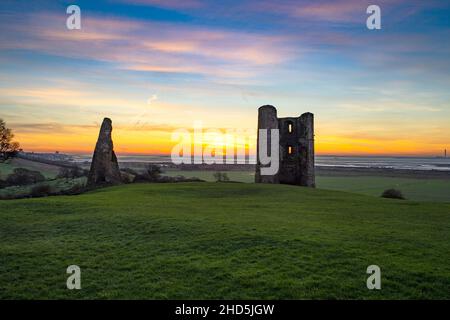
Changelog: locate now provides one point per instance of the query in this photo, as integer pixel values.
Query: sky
(155, 66)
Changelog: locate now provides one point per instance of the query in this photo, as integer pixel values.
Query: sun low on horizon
(155, 67)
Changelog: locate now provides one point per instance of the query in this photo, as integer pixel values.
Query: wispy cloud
(332, 11)
(171, 4)
(388, 107)
(150, 46)
(49, 127)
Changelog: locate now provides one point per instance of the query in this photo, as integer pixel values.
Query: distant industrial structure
(296, 148)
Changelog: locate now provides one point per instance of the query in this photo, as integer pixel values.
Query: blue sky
(154, 65)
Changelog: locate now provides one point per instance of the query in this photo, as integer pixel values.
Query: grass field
(55, 185)
(219, 240)
(413, 188)
(436, 190)
(48, 171)
(6, 168)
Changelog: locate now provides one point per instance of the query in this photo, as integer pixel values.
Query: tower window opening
(290, 128)
(290, 150)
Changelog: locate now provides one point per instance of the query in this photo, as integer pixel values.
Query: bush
(153, 174)
(129, 171)
(393, 194)
(221, 177)
(128, 175)
(71, 173)
(21, 177)
(42, 190)
(75, 189)
(3, 183)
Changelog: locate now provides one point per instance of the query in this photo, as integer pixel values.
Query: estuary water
(408, 163)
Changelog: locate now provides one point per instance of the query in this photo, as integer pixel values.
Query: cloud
(79, 97)
(48, 128)
(170, 4)
(390, 107)
(149, 46)
(289, 53)
(153, 98)
(332, 11)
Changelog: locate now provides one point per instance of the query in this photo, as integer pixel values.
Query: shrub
(71, 173)
(3, 183)
(21, 177)
(221, 177)
(153, 174)
(393, 194)
(129, 171)
(40, 190)
(128, 175)
(75, 189)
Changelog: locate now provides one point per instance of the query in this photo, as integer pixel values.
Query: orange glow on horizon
(159, 143)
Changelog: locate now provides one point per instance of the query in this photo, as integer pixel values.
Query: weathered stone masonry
(296, 148)
(104, 166)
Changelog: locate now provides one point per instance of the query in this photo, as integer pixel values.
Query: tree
(8, 148)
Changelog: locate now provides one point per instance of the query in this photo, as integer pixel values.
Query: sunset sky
(154, 66)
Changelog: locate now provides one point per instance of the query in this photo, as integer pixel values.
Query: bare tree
(8, 148)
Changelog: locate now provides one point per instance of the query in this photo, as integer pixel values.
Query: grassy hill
(417, 189)
(48, 170)
(218, 240)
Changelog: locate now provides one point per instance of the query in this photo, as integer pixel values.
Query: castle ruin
(296, 148)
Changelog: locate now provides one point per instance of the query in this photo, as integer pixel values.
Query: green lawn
(219, 240)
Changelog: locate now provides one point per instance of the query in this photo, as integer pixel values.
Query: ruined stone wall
(290, 155)
(306, 148)
(267, 119)
(296, 148)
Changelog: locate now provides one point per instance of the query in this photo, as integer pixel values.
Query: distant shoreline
(438, 168)
(383, 172)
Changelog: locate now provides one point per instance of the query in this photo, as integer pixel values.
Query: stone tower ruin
(296, 141)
